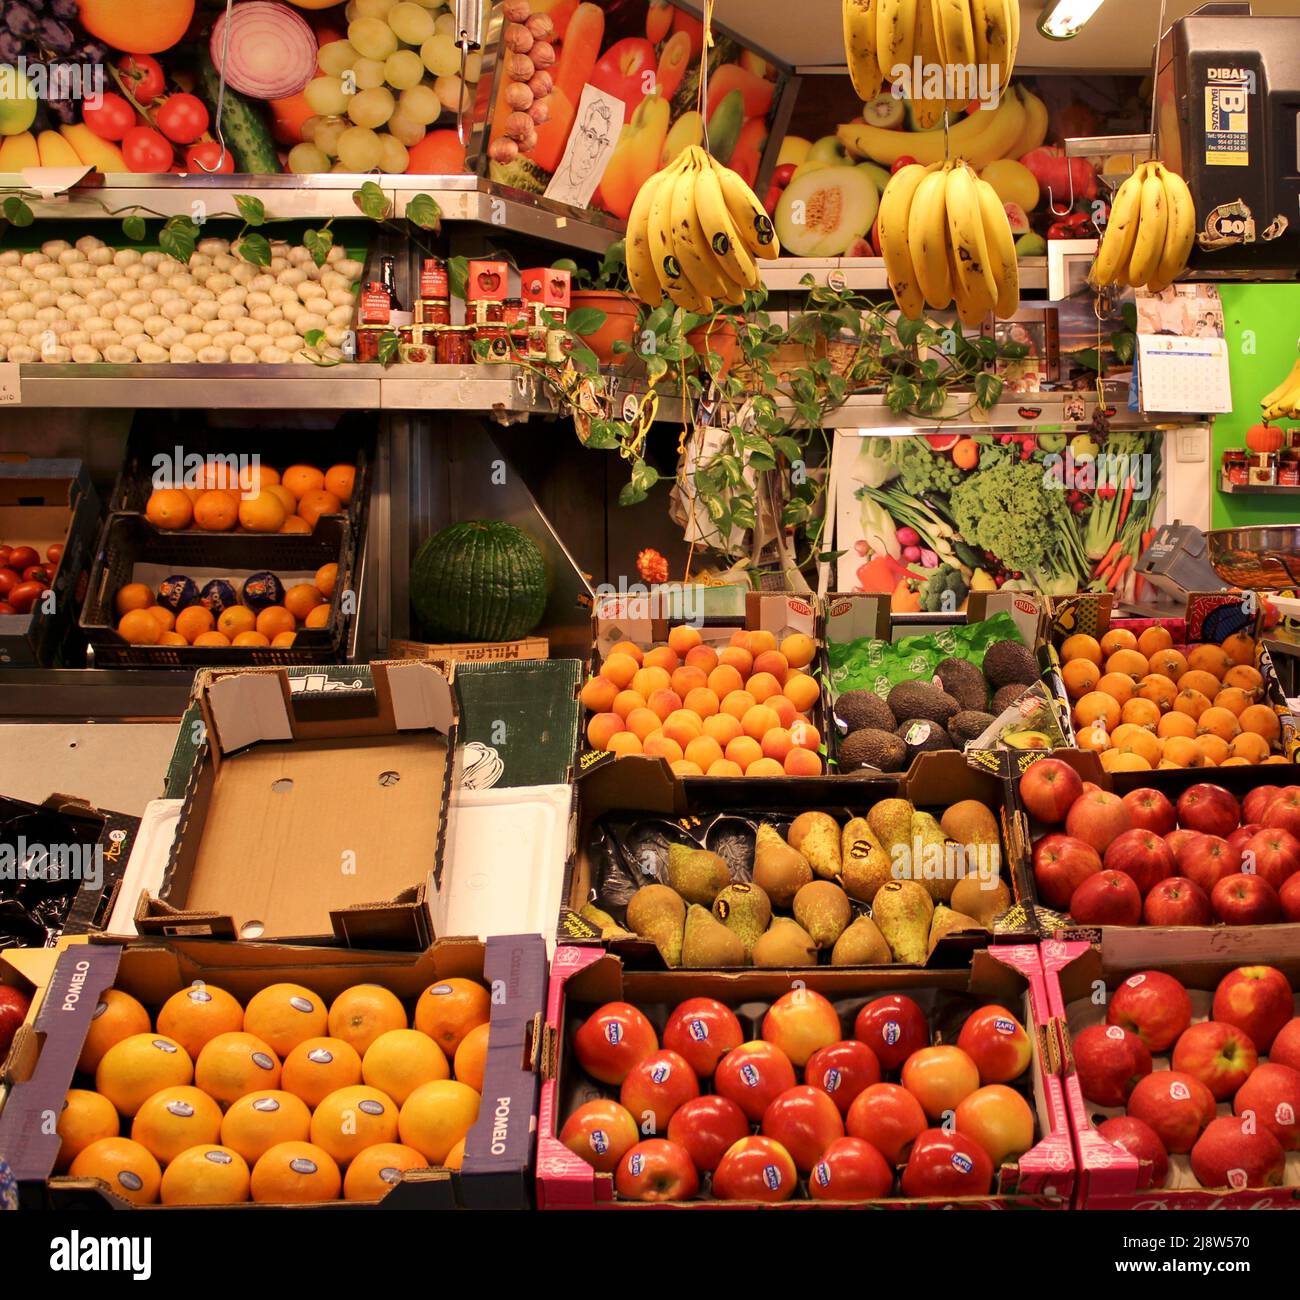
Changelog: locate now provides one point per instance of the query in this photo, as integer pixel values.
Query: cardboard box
(497, 1169)
(43, 502)
(1107, 1174)
(1151, 944)
(584, 978)
(647, 786)
(547, 286)
(312, 816)
(473, 652)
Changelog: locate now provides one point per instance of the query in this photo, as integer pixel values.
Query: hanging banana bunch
(1149, 236)
(1284, 401)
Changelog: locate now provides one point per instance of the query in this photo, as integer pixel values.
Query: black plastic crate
(129, 540)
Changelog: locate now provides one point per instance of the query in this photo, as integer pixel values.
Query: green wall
(1272, 312)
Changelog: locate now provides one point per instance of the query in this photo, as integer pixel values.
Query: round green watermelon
(483, 580)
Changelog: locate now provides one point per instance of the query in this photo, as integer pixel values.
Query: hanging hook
(469, 32)
(1051, 202)
(221, 94)
(947, 152)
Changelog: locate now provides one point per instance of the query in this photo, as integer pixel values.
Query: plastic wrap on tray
(43, 861)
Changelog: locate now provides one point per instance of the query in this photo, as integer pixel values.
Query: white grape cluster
(89, 302)
(383, 87)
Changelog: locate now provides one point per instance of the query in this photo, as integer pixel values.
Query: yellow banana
(720, 231)
(640, 263)
(752, 223)
(1180, 232)
(895, 35)
(1013, 42)
(667, 268)
(1118, 239)
(1152, 225)
(955, 105)
(886, 146)
(860, 47)
(969, 247)
(1001, 244)
(953, 19)
(928, 112)
(698, 264)
(895, 208)
(1292, 379)
(1008, 121)
(927, 235)
(1036, 123)
(991, 26)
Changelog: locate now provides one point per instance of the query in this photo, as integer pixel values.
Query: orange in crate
(205, 1175)
(130, 1171)
(448, 1010)
(295, 1173)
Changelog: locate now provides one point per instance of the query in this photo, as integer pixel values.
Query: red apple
(1097, 817)
(1219, 1055)
(13, 1011)
(655, 1087)
(1272, 1094)
(1109, 1062)
(1242, 835)
(703, 1031)
(939, 1077)
(1256, 802)
(1245, 900)
(1139, 1140)
(1258, 1000)
(708, 1127)
(1273, 855)
(996, 1041)
(752, 1075)
(1177, 839)
(1283, 812)
(947, 1164)
(1230, 1154)
(1175, 1105)
(1064, 176)
(850, 1170)
(627, 72)
(1286, 1046)
(1289, 897)
(888, 1117)
(755, 1169)
(1177, 901)
(601, 1132)
(842, 1070)
(1209, 808)
(1149, 810)
(656, 1170)
(805, 1121)
(893, 1027)
(799, 1022)
(1152, 1005)
(1061, 864)
(999, 1119)
(1142, 855)
(1048, 788)
(1207, 859)
(612, 1040)
(1107, 898)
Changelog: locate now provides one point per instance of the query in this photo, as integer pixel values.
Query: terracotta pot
(719, 336)
(621, 312)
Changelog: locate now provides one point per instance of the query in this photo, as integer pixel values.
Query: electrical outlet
(1193, 445)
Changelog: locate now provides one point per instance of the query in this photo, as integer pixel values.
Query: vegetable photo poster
(930, 518)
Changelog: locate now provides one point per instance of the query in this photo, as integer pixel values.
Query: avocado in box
(236, 1070)
(311, 816)
(799, 1088)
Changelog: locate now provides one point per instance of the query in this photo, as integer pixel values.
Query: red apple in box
(655, 1087)
(888, 1117)
(1207, 859)
(1258, 1000)
(1208, 808)
(999, 1119)
(1283, 812)
(1061, 864)
(1272, 1095)
(1256, 802)
(1177, 901)
(1139, 1140)
(755, 1169)
(1219, 1055)
(842, 1070)
(1232, 1154)
(1142, 855)
(1289, 897)
(850, 1170)
(1245, 900)
(1107, 898)
(1150, 810)
(601, 1132)
(1175, 1105)
(1286, 1046)
(1273, 855)
(703, 1031)
(947, 1164)
(13, 1011)
(1152, 1005)
(799, 1022)
(893, 1027)
(805, 1121)
(612, 1040)
(1097, 818)
(753, 1075)
(1109, 1062)
(708, 1127)
(1048, 788)
(1177, 839)
(656, 1170)
(996, 1041)
(1242, 835)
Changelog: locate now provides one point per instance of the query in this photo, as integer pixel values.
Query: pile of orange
(1142, 703)
(142, 621)
(287, 1100)
(739, 710)
(258, 499)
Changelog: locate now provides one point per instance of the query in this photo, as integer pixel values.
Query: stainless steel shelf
(81, 693)
(1258, 489)
(786, 274)
(494, 389)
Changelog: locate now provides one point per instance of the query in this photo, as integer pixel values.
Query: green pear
(696, 874)
(861, 944)
(945, 921)
(933, 864)
(817, 836)
(902, 910)
(786, 943)
(822, 908)
(779, 870)
(708, 943)
(608, 927)
(867, 865)
(657, 913)
(745, 910)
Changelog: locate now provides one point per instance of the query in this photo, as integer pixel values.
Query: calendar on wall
(1183, 376)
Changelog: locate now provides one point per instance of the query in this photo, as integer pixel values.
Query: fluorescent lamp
(1062, 19)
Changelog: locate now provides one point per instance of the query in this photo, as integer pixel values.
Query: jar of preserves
(455, 347)
(491, 343)
(433, 311)
(368, 337)
(376, 304)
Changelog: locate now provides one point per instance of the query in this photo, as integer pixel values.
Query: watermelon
(483, 580)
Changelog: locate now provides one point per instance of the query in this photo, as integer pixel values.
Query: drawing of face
(593, 140)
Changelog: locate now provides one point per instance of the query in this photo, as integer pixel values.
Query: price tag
(11, 384)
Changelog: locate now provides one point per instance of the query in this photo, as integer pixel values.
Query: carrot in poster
(578, 55)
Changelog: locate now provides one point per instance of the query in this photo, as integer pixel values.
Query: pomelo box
(497, 1170)
(310, 815)
(1009, 975)
(1152, 944)
(713, 811)
(1108, 1175)
(43, 502)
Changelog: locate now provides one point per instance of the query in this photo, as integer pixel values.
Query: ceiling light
(1062, 19)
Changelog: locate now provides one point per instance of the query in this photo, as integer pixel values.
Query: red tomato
(7, 608)
(4, 556)
(54, 553)
(144, 77)
(182, 119)
(204, 157)
(111, 119)
(25, 595)
(22, 557)
(37, 573)
(8, 581)
(781, 177)
(905, 161)
(146, 151)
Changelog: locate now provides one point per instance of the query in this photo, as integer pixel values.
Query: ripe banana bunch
(1284, 401)
(694, 234)
(881, 36)
(1150, 233)
(944, 236)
